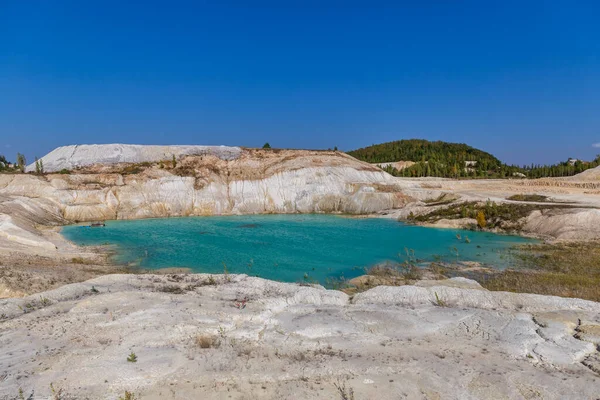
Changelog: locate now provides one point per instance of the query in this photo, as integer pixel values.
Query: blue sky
(518, 79)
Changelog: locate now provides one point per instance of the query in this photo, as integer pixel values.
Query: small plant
(467, 240)
(94, 290)
(455, 252)
(132, 357)
(22, 162)
(266, 146)
(409, 269)
(174, 161)
(221, 331)
(128, 396)
(64, 171)
(346, 393)
(21, 395)
(211, 280)
(439, 302)
(45, 301)
(56, 394)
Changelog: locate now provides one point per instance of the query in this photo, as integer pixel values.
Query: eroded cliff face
(255, 181)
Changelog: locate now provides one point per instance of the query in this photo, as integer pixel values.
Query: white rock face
(294, 181)
(76, 156)
(13, 233)
(580, 224)
(193, 339)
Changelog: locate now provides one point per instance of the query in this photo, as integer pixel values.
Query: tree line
(458, 160)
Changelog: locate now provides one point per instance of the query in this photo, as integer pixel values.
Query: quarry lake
(288, 248)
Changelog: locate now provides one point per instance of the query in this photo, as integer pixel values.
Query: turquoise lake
(287, 247)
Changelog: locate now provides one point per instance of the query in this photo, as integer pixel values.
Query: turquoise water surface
(286, 247)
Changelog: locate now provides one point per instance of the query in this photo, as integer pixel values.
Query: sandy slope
(589, 175)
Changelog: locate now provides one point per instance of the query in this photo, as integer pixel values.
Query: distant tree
(335, 148)
(481, 219)
(174, 161)
(37, 166)
(266, 146)
(41, 166)
(21, 161)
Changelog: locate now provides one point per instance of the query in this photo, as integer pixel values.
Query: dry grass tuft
(207, 341)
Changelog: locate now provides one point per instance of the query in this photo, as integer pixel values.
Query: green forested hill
(443, 159)
(422, 150)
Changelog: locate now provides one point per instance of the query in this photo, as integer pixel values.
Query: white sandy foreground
(295, 342)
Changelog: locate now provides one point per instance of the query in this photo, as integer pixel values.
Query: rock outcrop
(201, 336)
(576, 223)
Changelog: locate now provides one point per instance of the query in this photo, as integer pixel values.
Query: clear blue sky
(520, 79)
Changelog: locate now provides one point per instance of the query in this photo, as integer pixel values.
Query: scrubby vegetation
(6, 166)
(134, 169)
(529, 197)
(407, 269)
(488, 215)
(458, 160)
(3, 162)
(562, 269)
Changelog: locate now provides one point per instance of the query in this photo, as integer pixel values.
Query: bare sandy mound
(592, 174)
